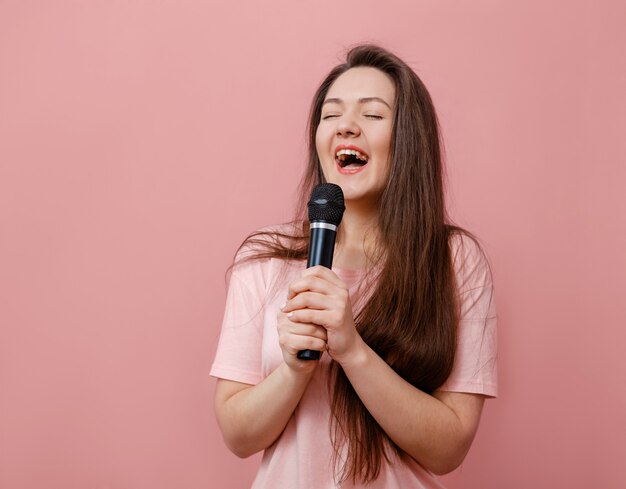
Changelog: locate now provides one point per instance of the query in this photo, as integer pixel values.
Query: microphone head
(326, 204)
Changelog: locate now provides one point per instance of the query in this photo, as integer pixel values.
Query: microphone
(326, 208)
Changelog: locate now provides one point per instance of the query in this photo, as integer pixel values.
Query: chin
(360, 198)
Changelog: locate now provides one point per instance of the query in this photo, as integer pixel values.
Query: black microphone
(326, 208)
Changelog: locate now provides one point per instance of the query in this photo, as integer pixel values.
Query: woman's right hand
(294, 337)
(252, 417)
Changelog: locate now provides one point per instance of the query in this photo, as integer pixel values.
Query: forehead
(362, 82)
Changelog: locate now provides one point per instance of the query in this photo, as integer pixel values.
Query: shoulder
(265, 252)
(269, 238)
(474, 282)
(469, 260)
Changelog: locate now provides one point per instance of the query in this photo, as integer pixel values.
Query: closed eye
(374, 116)
(329, 116)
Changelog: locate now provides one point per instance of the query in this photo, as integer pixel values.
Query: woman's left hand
(320, 297)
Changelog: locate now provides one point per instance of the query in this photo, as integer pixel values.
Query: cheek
(317, 143)
(320, 137)
(384, 145)
(321, 145)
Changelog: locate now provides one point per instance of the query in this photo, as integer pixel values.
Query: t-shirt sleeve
(238, 355)
(475, 369)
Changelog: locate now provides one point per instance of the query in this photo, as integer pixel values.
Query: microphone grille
(326, 203)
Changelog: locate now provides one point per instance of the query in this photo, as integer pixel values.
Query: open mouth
(350, 158)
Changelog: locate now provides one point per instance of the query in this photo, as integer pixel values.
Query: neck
(357, 237)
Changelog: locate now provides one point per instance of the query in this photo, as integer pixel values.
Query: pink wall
(140, 141)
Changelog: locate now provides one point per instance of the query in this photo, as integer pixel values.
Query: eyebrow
(363, 100)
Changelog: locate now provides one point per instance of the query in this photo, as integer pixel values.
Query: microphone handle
(321, 245)
(321, 249)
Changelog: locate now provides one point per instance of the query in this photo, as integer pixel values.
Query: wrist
(299, 374)
(357, 357)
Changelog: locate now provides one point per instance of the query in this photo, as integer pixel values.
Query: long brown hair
(410, 319)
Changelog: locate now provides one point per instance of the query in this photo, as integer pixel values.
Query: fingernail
(289, 314)
(283, 306)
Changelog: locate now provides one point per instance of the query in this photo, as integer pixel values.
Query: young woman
(405, 318)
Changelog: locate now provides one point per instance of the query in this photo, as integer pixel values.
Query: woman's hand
(321, 298)
(294, 336)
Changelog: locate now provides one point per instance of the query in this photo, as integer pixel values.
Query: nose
(347, 126)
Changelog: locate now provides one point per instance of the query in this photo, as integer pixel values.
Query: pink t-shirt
(248, 351)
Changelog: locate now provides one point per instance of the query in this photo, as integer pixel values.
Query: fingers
(318, 297)
(323, 318)
(302, 329)
(294, 337)
(300, 335)
(296, 344)
(317, 316)
(315, 279)
(307, 300)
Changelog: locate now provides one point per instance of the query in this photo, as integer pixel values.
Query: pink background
(140, 141)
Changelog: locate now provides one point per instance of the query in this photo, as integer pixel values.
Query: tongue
(354, 165)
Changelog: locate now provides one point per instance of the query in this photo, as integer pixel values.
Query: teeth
(342, 153)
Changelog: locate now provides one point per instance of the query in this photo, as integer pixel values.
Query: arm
(436, 430)
(252, 417)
